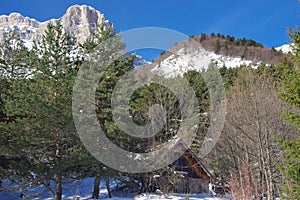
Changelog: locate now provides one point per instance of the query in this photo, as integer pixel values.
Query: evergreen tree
(217, 47)
(229, 75)
(291, 95)
(243, 41)
(141, 102)
(199, 86)
(13, 60)
(203, 37)
(104, 91)
(42, 105)
(101, 34)
(244, 53)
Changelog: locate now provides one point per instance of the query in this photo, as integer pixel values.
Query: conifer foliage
(40, 105)
(291, 95)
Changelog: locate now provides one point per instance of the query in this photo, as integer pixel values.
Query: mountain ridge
(79, 20)
(196, 54)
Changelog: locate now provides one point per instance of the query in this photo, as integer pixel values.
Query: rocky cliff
(77, 21)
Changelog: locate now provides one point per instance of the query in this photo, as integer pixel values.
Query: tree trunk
(262, 177)
(144, 185)
(241, 183)
(107, 187)
(58, 188)
(270, 174)
(267, 183)
(58, 176)
(96, 187)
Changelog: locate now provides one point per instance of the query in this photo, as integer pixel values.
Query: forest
(256, 156)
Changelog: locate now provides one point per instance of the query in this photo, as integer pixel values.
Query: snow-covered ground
(192, 58)
(82, 189)
(176, 197)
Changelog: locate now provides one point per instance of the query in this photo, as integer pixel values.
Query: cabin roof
(194, 162)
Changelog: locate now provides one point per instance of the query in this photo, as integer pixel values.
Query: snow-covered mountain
(77, 21)
(194, 55)
(286, 48)
(139, 62)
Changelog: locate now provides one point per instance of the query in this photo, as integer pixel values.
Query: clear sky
(265, 21)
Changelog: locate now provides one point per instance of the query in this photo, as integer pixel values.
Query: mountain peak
(15, 19)
(78, 21)
(83, 12)
(81, 7)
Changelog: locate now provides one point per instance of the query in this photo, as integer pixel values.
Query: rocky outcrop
(78, 21)
(17, 19)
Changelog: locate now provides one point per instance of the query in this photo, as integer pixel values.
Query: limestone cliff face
(25, 26)
(77, 21)
(15, 19)
(80, 20)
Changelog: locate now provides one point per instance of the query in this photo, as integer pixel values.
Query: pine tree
(291, 95)
(13, 60)
(203, 37)
(198, 84)
(148, 96)
(42, 105)
(217, 47)
(102, 36)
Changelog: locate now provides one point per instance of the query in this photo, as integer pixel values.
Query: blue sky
(264, 21)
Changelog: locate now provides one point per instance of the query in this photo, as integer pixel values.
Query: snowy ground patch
(82, 190)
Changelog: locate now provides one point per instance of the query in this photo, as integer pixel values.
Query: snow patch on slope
(196, 59)
(286, 48)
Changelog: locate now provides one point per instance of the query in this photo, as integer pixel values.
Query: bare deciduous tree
(252, 125)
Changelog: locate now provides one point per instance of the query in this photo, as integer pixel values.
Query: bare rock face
(78, 21)
(16, 18)
(25, 26)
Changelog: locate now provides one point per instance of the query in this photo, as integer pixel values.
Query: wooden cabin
(185, 175)
(196, 178)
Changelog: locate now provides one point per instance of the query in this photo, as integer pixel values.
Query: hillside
(200, 51)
